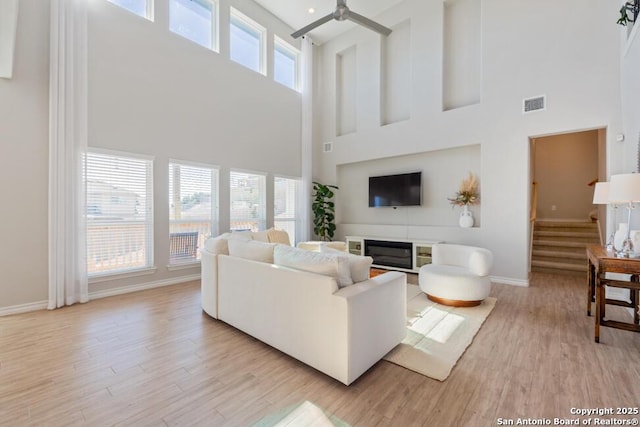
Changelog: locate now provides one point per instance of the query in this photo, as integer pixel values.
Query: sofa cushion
(359, 266)
(252, 249)
(315, 262)
(278, 236)
(218, 245)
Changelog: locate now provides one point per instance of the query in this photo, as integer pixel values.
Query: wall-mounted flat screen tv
(395, 190)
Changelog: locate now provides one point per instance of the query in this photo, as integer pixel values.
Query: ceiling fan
(342, 13)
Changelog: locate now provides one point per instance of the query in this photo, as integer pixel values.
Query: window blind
(119, 212)
(248, 201)
(193, 210)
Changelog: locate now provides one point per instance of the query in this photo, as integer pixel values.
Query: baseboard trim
(510, 281)
(42, 305)
(23, 308)
(142, 287)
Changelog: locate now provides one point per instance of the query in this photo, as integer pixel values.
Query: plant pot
(466, 217)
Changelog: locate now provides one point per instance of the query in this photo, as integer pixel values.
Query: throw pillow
(252, 249)
(310, 246)
(341, 246)
(278, 236)
(314, 262)
(218, 245)
(260, 236)
(241, 235)
(358, 265)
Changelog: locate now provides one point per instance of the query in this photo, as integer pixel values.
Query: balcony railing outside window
(178, 237)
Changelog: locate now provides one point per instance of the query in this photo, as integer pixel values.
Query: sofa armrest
(377, 313)
(209, 282)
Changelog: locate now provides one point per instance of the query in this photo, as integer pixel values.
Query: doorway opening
(564, 168)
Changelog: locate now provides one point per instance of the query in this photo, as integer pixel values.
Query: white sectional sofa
(341, 331)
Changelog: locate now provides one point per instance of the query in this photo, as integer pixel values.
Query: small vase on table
(466, 217)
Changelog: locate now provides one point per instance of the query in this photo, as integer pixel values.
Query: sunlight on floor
(437, 324)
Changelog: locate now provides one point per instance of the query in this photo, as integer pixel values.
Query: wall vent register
(534, 104)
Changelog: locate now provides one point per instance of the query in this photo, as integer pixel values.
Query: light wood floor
(153, 358)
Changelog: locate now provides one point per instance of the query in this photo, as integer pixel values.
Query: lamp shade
(601, 193)
(625, 187)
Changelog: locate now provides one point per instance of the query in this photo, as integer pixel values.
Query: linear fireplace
(390, 254)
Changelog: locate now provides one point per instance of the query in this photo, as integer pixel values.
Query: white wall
(24, 132)
(630, 57)
(150, 92)
(567, 50)
(631, 97)
(564, 166)
(8, 25)
(173, 99)
(435, 210)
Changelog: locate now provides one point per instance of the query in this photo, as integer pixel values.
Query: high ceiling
(296, 14)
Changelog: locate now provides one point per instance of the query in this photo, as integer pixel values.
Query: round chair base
(453, 302)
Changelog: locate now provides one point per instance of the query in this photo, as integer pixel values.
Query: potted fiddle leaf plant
(324, 209)
(629, 12)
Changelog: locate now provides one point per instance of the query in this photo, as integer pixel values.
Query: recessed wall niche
(346, 91)
(395, 97)
(461, 53)
(442, 172)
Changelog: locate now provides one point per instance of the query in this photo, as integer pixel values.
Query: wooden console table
(601, 262)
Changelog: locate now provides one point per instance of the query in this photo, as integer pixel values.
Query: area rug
(437, 335)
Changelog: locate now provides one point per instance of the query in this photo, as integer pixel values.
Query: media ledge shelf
(420, 251)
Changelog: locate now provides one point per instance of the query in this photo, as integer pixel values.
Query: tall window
(247, 42)
(142, 8)
(248, 201)
(286, 64)
(196, 20)
(285, 205)
(193, 210)
(119, 212)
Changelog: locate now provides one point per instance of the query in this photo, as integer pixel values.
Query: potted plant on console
(324, 211)
(466, 195)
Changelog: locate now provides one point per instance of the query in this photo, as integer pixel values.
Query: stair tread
(568, 224)
(559, 254)
(560, 243)
(559, 265)
(571, 234)
(557, 271)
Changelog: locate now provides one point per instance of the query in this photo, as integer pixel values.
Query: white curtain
(67, 147)
(307, 137)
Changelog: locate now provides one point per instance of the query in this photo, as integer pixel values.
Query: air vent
(534, 104)
(327, 147)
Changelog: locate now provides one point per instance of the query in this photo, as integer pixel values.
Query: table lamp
(601, 197)
(625, 188)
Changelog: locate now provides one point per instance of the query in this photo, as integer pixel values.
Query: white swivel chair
(458, 275)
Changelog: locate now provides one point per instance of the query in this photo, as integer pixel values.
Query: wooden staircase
(559, 246)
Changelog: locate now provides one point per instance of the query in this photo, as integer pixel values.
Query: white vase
(466, 217)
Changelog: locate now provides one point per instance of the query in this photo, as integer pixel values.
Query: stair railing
(533, 215)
